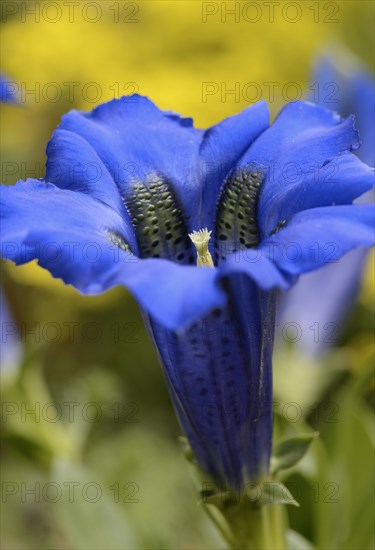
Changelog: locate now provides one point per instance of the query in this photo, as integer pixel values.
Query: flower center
(236, 220)
(158, 221)
(161, 229)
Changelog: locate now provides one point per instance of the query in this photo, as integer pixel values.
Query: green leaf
(274, 492)
(87, 511)
(253, 494)
(289, 451)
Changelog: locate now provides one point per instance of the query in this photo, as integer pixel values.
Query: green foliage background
(130, 451)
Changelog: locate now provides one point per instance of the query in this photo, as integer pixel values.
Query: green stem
(279, 526)
(247, 527)
(259, 528)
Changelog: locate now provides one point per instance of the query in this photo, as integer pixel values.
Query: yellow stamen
(200, 240)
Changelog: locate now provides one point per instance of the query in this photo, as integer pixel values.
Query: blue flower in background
(8, 90)
(320, 301)
(138, 197)
(344, 85)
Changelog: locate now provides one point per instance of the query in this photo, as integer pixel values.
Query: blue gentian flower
(138, 197)
(8, 90)
(319, 302)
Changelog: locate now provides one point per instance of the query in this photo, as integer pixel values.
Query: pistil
(200, 240)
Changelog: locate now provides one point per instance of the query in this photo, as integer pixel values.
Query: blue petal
(63, 229)
(339, 181)
(315, 237)
(77, 239)
(8, 90)
(220, 376)
(175, 295)
(299, 142)
(257, 267)
(222, 147)
(136, 140)
(364, 109)
(73, 164)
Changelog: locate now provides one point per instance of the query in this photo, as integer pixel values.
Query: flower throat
(159, 223)
(162, 231)
(236, 218)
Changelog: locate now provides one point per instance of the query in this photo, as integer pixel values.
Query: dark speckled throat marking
(236, 221)
(158, 221)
